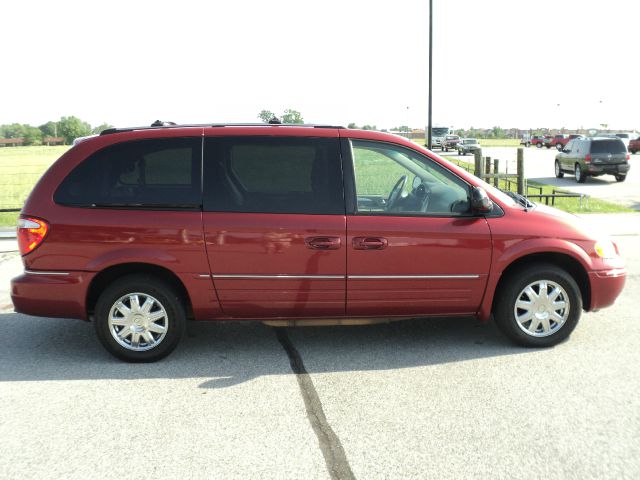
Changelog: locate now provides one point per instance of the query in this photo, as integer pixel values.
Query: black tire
(559, 172)
(514, 285)
(538, 145)
(633, 152)
(621, 178)
(548, 146)
(166, 298)
(580, 176)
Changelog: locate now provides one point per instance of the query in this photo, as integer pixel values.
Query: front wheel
(559, 173)
(558, 146)
(580, 177)
(139, 318)
(621, 178)
(538, 145)
(538, 306)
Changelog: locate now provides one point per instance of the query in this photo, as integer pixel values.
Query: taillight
(587, 158)
(628, 157)
(31, 233)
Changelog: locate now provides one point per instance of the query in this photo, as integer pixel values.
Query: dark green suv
(593, 157)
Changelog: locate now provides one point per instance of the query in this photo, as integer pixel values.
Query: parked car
(468, 145)
(561, 140)
(537, 140)
(625, 137)
(450, 142)
(595, 156)
(634, 145)
(141, 229)
(548, 140)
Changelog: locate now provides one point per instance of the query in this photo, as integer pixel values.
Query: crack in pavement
(330, 445)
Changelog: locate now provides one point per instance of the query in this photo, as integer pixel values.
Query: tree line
(68, 128)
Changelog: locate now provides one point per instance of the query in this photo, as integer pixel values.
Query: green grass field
(20, 169)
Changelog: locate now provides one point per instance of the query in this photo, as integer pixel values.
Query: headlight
(606, 249)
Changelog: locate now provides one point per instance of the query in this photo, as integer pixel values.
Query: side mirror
(480, 201)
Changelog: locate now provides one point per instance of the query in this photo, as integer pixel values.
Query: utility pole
(429, 145)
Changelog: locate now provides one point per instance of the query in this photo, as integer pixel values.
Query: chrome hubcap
(541, 308)
(138, 322)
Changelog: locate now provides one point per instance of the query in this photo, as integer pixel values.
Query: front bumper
(51, 294)
(606, 286)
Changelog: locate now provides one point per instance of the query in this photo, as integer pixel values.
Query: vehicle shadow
(230, 353)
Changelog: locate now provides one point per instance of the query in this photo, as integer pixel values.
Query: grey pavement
(435, 398)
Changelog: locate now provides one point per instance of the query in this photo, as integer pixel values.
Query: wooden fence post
(487, 167)
(478, 163)
(496, 170)
(520, 170)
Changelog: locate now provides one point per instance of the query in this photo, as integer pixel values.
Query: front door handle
(323, 243)
(369, 243)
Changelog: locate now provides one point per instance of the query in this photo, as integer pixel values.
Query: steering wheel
(396, 191)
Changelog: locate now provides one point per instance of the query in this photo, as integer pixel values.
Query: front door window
(393, 180)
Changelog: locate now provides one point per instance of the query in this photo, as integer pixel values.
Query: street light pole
(429, 129)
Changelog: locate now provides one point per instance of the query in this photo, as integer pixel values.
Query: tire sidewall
(148, 285)
(504, 315)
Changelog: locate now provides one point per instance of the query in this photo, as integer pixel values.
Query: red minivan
(142, 229)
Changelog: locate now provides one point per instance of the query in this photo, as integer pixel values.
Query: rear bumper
(51, 294)
(617, 169)
(606, 285)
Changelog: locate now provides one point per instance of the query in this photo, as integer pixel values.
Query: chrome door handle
(323, 243)
(369, 243)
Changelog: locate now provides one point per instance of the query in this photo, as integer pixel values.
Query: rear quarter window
(162, 173)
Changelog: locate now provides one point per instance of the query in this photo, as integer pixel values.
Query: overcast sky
(496, 62)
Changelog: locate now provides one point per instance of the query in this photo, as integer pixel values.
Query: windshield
(439, 131)
(622, 135)
(470, 141)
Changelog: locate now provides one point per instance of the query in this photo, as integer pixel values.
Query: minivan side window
(158, 173)
(392, 180)
(273, 175)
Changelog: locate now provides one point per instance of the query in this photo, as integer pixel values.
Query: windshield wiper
(520, 199)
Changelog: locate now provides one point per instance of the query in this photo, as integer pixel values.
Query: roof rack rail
(160, 125)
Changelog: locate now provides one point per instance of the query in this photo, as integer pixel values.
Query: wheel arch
(568, 263)
(113, 272)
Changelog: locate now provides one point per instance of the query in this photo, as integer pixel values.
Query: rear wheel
(538, 145)
(621, 178)
(580, 176)
(538, 306)
(139, 318)
(559, 173)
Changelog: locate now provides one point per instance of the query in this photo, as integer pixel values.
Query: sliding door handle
(369, 243)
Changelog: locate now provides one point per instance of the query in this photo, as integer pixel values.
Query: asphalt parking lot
(437, 398)
(539, 167)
